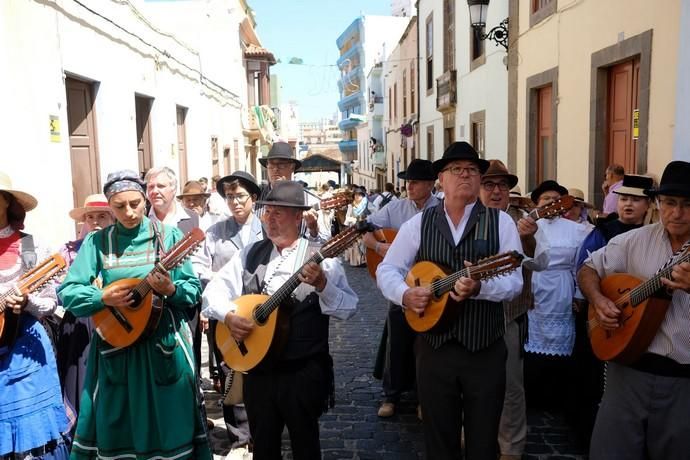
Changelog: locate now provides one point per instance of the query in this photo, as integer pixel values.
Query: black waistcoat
(479, 323)
(308, 327)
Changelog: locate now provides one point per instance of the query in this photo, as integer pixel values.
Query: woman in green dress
(138, 402)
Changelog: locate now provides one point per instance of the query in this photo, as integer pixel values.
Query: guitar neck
(3, 297)
(440, 287)
(652, 285)
(286, 289)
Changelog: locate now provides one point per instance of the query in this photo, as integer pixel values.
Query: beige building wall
(566, 41)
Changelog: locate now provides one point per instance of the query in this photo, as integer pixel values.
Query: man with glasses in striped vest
(461, 369)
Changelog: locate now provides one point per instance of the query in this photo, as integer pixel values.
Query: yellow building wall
(567, 39)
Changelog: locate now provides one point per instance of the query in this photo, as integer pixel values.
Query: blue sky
(307, 29)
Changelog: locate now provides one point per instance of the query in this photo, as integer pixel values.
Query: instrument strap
(160, 247)
(674, 256)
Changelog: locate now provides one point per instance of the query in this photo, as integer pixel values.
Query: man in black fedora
(395, 362)
(461, 365)
(281, 164)
(294, 387)
(644, 410)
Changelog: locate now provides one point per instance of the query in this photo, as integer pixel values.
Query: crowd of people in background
(517, 341)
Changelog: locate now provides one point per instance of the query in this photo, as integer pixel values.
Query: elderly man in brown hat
(195, 198)
(496, 185)
(461, 365)
(646, 402)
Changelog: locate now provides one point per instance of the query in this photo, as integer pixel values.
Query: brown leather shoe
(387, 409)
(419, 412)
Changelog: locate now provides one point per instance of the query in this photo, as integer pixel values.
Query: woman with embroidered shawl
(138, 402)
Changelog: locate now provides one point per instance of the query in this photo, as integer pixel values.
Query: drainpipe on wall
(681, 131)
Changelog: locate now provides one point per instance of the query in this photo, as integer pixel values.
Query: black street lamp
(478, 10)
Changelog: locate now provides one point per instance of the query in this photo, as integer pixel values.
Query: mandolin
(382, 235)
(271, 325)
(429, 274)
(123, 326)
(29, 282)
(643, 306)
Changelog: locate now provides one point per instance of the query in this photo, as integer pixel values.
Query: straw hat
(28, 202)
(96, 202)
(579, 196)
(516, 198)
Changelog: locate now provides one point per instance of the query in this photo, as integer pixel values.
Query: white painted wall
(485, 87)
(428, 115)
(75, 42)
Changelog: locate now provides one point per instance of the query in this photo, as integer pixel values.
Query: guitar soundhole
(258, 317)
(137, 301)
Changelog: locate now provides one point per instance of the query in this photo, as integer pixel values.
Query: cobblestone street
(352, 430)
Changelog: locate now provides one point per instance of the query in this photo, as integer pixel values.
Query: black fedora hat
(675, 181)
(244, 178)
(280, 151)
(460, 151)
(547, 186)
(285, 193)
(418, 169)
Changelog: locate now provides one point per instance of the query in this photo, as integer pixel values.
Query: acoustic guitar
(382, 235)
(123, 326)
(643, 305)
(272, 324)
(429, 274)
(29, 282)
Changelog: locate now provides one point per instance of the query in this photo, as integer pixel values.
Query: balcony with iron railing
(446, 91)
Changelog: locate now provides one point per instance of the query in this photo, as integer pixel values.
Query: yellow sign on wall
(636, 124)
(54, 128)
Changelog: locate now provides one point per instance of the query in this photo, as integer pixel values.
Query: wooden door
(623, 94)
(143, 106)
(236, 153)
(546, 161)
(182, 143)
(83, 146)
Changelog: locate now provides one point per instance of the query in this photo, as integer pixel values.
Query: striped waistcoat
(479, 322)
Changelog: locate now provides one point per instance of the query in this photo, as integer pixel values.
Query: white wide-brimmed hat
(27, 201)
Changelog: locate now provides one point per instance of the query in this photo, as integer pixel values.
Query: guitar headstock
(344, 239)
(335, 202)
(183, 248)
(41, 273)
(496, 265)
(557, 208)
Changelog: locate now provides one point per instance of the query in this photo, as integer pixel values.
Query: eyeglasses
(241, 198)
(279, 165)
(459, 170)
(489, 186)
(670, 203)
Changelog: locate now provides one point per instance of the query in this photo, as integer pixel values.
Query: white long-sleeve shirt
(391, 272)
(337, 299)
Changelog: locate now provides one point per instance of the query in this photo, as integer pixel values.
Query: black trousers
(454, 383)
(293, 398)
(399, 362)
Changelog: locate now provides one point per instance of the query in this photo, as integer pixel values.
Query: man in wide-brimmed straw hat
(458, 231)
(650, 394)
(195, 198)
(395, 359)
(294, 388)
(95, 213)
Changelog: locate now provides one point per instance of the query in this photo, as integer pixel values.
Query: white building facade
(117, 85)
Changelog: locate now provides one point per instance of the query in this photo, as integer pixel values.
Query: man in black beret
(461, 364)
(646, 402)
